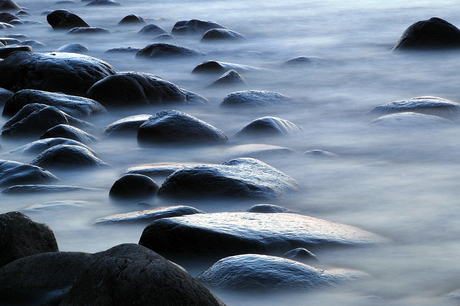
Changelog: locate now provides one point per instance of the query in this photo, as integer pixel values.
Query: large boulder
(12, 173)
(67, 156)
(236, 178)
(268, 273)
(5, 95)
(20, 236)
(134, 88)
(194, 27)
(131, 186)
(126, 126)
(217, 235)
(70, 132)
(268, 126)
(38, 146)
(72, 105)
(68, 73)
(162, 50)
(431, 34)
(7, 5)
(252, 98)
(172, 126)
(64, 19)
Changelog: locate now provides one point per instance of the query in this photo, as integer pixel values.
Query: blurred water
(400, 183)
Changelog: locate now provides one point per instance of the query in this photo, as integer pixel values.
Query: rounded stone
(162, 50)
(194, 27)
(132, 19)
(134, 186)
(64, 19)
(213, 35)
(152, 29)
(67, 156)
(255, 98)
(268, 126)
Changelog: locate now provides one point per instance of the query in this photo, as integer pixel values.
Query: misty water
(401, 183)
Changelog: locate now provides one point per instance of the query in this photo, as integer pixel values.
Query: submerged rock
(21, 189)
(70, 132)
(20, 236)
(104, 3)
(12, 173)
(89, 30)
(7, 17)
(319, 153)
(256, 150)
(409, 119)
(152, 29)
(237, 178)
(160, 169)
(302, 61)
(222, 67)
(213, 35)
(73, 48)
(126, 126)
(162, 50)
(268, 209)
(65, 19)
(267, 273)
(268, 126)
(134, 186)
(132, 19)
(253, 98)
(194, 27)
(300, 254)
(67, 156)
(6, 5)
(230, 78)
(7, 50)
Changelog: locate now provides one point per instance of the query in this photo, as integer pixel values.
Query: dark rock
(267, 209)
(5, 51)
(213, 35)
(10, 41)
(222, 67)
(68, 73)
(133, 275)
(74, 48)
(150, 215)
(164, 37)
(7, 17)
(21, 237)
(123, 50)
(172, 126)
(132, 19)
(135, 88)
(252, 98)
(154, 170)
(268, 126)
(64, 19)
(7, 5)
(104, 3)
(424, 105)
(432, 34)
(13, 173)
(267, 273)
(300, 254)
(134, 186)
(41, 145)
(67, 156)
(409, 119)
(34, 43)
(6, 26)
(237, 178)
(5, 95)
(151, 29)
(23, 13)
(162, 50)
(302, 61)
(70, 132)
(319, 153)
(194, 27)
(35, 189)
(229, 78)
(256, 150)
(126, 126)
(89, 30)
(216, 235)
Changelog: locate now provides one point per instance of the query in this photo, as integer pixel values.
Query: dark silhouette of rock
(237, 178)
(70, 132)
(432, 34)
(7, 5)
(20, 236)
(13, 173)
(89, 30)
(229, 78)
(74, 48)
(6, 26)
(132, 19)
(67, 156)
(253, 98)
(34, 44)
(162, 50)
(302, 61)
(10, 41)
(172, 126)
(65, 20)
(267, 273)
(214, 35)
(135, 88)
(104, 3)
(134, 186)
(268, 126)
(7, 17)
(7, 50)
(222, 67)
(123, 50)
(69, 73)
(126, 126)
(194, 27)
(152, 29)
(5, 95)
(267, 209)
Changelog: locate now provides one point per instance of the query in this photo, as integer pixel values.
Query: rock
(72, 105)
(268, 126)
(134, 186)
(20, 236)
(152, 29)
(253, 98)
(36, 189)
(65, 20)
(300, 254)
(104, 3)
(7, 17)
(164, 37)
(126, 126)
(33, 44)
(12, 173)
(432, 34)
(237, 178)
(319, 153)
(409, 119)
(162, 50)
(268, 273)
(123, 50)
(222, 67)
(67, 156)
(230, 78)
(5, 95)
(194, 27)
(88, 30)
(172, 126)
(7, 50)
(268, 209)
(135, 88)
(213, 35)
(23, 13)
(6, 5)
(132, 19)
(150, 215)
(133, 275)
(302, 61)
(6, 26)
(73, 48)
(70, 132)
(425, 105)
(161, 169)
(217, 235)
(69, 73)
(256, 150)
(10, 41)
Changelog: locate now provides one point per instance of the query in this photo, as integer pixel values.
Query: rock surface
(213, 35)
(67, 156)
(64, 19)
(126, 126)
(89, 30)
(38, 146)
(12, 173)
(132, 19)
(194, 27)
(152, 29)
(73, 48)
(21, 189)
(252, 98)
(134, 186)
(7, 50)
(162, 50)
(160, 169)
(70, 132)
(222, 67)
(268, 126)
(410, 119)
(229, 78)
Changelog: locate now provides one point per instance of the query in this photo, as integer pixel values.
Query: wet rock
(135, 88)
(432, 34)
(72, 105)
(268, 209)
(69, 73)
(217, 235)
(172, 126)
(123, 50)
(132, 19)
(253, 98)
(162, 50)
(23, 13)
(425, 105)
(230, 78)
(74, 48)
(134, 186)
(10, 41)
(88, 30)
(35, 189)
(268, 273)
(6, 26)
(319, 153)
(194, 27)
(152, 29)
(5, 95)
(13, 173)
(222, 67)
(302, 61)
(300, 254)
(126, 126)
(5, 51)
(160, 169)
(70, 132)
(409, 119)
(6, 5)
(34, 44)
(67, 156)
(164, 37)
(268, 126)
(213, 35)
(256, 150)
(150, 215)
(7, 17)
(104, 3)
(237, 178)
(20, 236)
(65, 20)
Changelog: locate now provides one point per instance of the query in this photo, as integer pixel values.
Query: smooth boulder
(411, 120)
(222, 67)
(12, 173)
(126, 126)
(73, 48)
(132, 19)
(65, 19)
(131, 186)
(70, 132)
(103, 3)
(194, 27)
(152, 29)
(159, 169)
(67, 156)
(255, 98)
(6, 5)
(162, 50)
(7, 50)
(268, 126)
(229, 78)
(89, 30)
(213, 35)
(38, 146)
